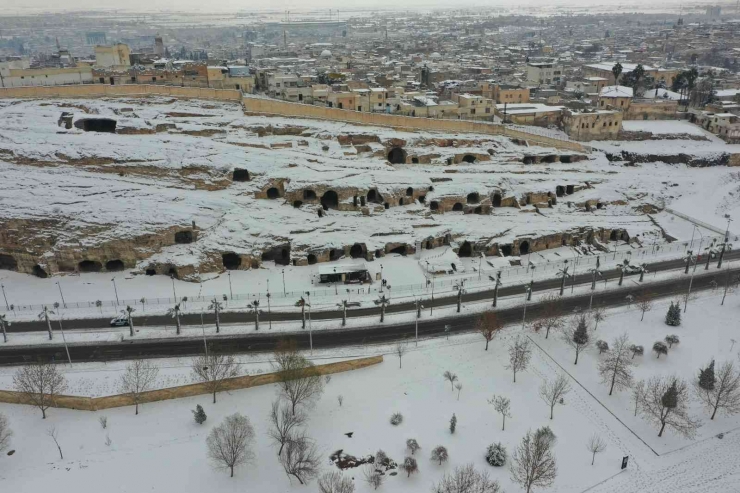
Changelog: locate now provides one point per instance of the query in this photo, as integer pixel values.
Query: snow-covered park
(167, 450)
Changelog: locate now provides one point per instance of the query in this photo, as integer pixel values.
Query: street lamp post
(284, 282)
(724, 245)
(203, 328)
(115, 289)
(691, 281)
(527, 290)
(269, 309)
(7, 307)
(174, 293)
(231, 291)
(65, 340)
(310, 327)
(61, 294)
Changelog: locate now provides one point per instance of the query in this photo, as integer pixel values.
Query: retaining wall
(122, 400)
(283, 108)
(102, 90)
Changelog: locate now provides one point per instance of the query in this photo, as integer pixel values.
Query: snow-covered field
(163, 441)
(666, 127)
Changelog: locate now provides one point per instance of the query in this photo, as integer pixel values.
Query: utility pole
(310, 327)
(115, 289)
(724, 245)
(61, 294)
(231, 292)
(7, 307)
(527, 291)
(65, 341)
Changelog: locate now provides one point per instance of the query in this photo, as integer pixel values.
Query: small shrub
(453, 423)
(637, 350)
(396, 419)
(660, 348)
(602, 346)
(439, 454)
(496, 454)
(199, 414)
(671, 340)
(412, 445)
(108, 441)
(103, 420)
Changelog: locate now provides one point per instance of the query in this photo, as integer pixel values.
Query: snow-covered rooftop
(616, 92)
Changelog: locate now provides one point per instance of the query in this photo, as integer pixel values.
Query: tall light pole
(269, 310)
(527, 290)
(115, 289)
(61, 294)
(284, 293)
(203, 328)
(174, 293)
(310, 327)
(724, 245)
(6, 298)
(691, 281)
(65, 340)
(381, 278)
(231, 291)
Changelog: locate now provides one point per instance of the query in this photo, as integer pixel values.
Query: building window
(472, 111)
(593, 125)
(605, 124)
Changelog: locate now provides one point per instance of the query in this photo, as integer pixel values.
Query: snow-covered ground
(163, 441)
(659, 127)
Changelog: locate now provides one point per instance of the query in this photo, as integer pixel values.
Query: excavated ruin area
(182, 187)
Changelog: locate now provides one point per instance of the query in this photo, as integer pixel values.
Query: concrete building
(544, 73)
(95, 38)
(592, 124)
(604, 70)
(505, 93)
(117, 55)
(23, 77)
(474, 107)
(615, 97)
(530, 114)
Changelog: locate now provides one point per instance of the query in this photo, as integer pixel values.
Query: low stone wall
(283, 108)
(100, 90)
(122, 400)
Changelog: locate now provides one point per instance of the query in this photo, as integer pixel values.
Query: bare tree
(213, 369)
(466, 479)
(284, 424)
(450, 377)
(595, 445)
(5, 432)
(54, 434)
(724, 396)
(229, 444)
(638, 394)
(334, 482)
(340, 399)
(488, 325)
(40, 384)
(174, 312)
(551, 315)
(373, 476)
(519, 355)
(502, 405)
(439, 454)
(665, 403)
(576, 336)
(553, 391)
(533, 463)
(616, 368)
(298, 379)
(644, 304)
(301, 458)
(400, 349)
(412, 445)
(458, 387)
(139, 377)
(598, 314)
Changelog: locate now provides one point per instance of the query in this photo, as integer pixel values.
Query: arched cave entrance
(466, 250)
(457, 207)
(506, 250)
(374, 196)
(566, 159)
(387, 205)
(90, 266)
(151, 272)
(528, 160)
(400, 201)
(524, 248)
(434, 205)
(401, 250)
(97, 125)
(560, 190)
(231, 261)
(335, 254)
(468, 158)
(422, 198)
(8, 262)
(280, 255)
(273, 193)
(550, 158)
(409, 192)
(183, 237)
(614, 235)
(297, 204)
(473, 198)
(312, 259)
(240, 174)
(114, 265)
(378, 253)
(414, 160)
(38, 271)
(569, 189)
(330, 200)
(357, 251)
(397, 156)
(496, 202)
(309, 195)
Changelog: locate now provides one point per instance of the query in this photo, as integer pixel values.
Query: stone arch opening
(506, 250)
(422, 199)
(469, 158)
(297, 203)
(566, 159)
(374, 196)
(431, 188)
(409, 192)
(599, 205)
(429, 244)
(397, 156)
(254, 264)
(114, 265)
(414, 160)
(279, 254)
(151, 272)
(473, 198)
(387, 205)
(400, 201)
(447, 239)
(107, 125)
(8, 262)
(39, 271)
(524, 248)
(362, 201)
(448, 161)
(550, 158)
(312, 259)
(478, 210)
(172, 272)
(231, 261)
(309, 195)
(240, 174)
(335, 254)
(458, 207)
(434, 205)
(528, 160)
(378, 253)
(330, 200)
(560, 190)
(357, 251)
(614, 235)
(401, 250)
(570, 189)
(90, 266)
(625, 236)
(496, 201)
(273, 193)
(184, 237)
(466, 250)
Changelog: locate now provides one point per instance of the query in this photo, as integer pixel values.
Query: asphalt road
(276, 316)
(264, 341)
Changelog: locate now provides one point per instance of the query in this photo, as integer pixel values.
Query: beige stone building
(117, 55)
(530, 114)
(473, 107)
(592, 125)
(24, 77)
(615, 97)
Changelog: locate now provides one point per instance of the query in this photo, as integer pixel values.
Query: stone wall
(122, 400)
(652, 110)
(102, 90)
